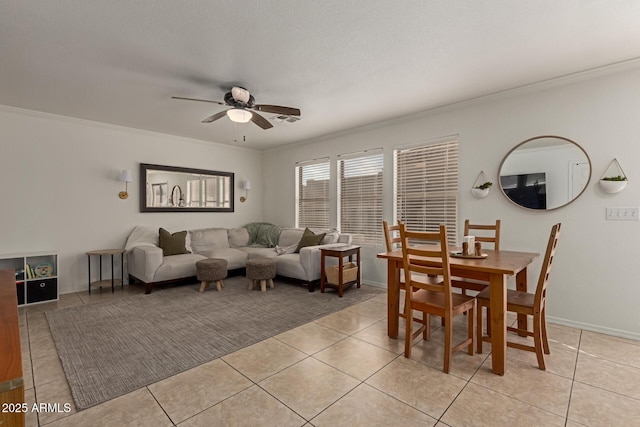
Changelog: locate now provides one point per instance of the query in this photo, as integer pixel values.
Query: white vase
(612, 186)
(480, 193)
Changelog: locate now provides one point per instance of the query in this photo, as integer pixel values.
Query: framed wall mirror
(544, 173)
(176, 189)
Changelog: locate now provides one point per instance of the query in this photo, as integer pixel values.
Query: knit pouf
(211, 270)
(261, 270)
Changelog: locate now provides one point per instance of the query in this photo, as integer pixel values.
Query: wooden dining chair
(433, 295)
(393, 242)
(489, 233)
(484, 233)
(529, 304)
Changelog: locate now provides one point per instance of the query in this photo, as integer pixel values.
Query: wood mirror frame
(176, 189)
(544, 173)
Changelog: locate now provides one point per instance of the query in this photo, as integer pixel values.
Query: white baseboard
(595, 328)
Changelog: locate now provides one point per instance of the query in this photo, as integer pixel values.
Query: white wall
(594, 284)
(60, 186)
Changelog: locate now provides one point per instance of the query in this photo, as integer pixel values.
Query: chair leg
(479, 336)
(408, 336)
(537, 339)
(448, 334)
(545, 341)
(471, 330)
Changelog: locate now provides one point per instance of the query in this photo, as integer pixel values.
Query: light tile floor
(343, 370)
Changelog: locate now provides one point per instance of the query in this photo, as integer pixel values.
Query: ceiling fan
(243, 108)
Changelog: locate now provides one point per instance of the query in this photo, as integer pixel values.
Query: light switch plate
(622, 214)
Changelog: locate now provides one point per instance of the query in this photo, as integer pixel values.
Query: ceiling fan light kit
(242, 103)
(239, 115)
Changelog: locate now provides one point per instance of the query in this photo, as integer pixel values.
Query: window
(312, 194)
(360, 196)
(426, 187)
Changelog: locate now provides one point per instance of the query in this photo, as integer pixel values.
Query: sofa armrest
(144, 261)
(310, 259)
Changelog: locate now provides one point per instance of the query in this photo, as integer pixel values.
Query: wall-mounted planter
(612, 187)
(614, 180)
(481, 186)
(480, 193)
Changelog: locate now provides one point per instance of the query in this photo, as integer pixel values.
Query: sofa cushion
(253, 252)
(206, 239)
(330, 237)
(290, 236)
(172, 244)
(309, 238)
(238, 237)
(284, 250)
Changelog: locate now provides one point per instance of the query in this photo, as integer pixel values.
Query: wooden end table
(340, 252)
(113, 281)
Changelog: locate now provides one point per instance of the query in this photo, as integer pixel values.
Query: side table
(339, 252)
(113, 281)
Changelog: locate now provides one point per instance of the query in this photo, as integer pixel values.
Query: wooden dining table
(495, 269)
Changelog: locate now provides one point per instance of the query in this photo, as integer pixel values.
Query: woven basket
(349, 273)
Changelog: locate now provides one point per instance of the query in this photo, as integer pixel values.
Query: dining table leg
(498, 304)
(393, 298)
(521, 285)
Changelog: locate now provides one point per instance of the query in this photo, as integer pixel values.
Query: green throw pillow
(309, 239)
(173, 244)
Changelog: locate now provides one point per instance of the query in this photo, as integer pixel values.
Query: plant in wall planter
(482, 190)
(613, 184)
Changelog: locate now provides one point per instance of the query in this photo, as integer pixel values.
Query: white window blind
(312, 194)
(426, 187)
(360, 197)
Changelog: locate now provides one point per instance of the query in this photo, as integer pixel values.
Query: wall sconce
(126, 177)
(246, 186)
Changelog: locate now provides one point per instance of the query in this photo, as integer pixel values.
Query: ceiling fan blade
(199, 100)
(260, 121)
(216, 116)
(277, 109)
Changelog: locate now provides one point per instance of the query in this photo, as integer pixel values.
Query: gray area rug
(110, 349)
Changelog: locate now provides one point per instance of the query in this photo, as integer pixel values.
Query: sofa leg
(311, 286)
(147, 288)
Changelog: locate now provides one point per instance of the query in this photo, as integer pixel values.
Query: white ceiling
(343, 63)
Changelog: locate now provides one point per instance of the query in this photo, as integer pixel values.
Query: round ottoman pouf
(211, 270)
(262, 270)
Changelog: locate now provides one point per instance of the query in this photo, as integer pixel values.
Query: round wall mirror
(544, 173)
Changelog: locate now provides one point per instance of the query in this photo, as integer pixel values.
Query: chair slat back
(486, 237)
(417, 245)
(391, 236)
(547, 263)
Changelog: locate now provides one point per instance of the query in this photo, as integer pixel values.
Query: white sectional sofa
(147, 264)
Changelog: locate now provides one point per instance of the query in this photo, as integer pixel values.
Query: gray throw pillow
(309, 239)
(173, 244)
